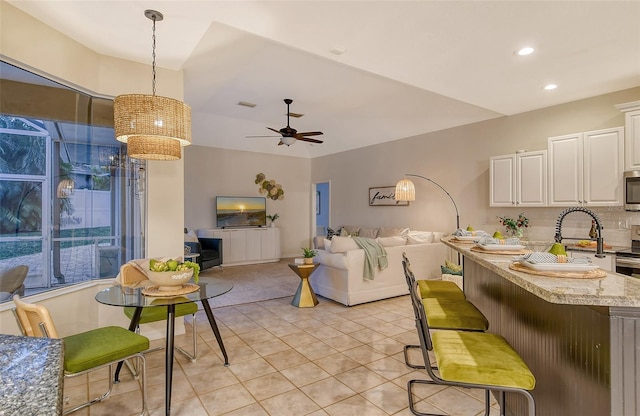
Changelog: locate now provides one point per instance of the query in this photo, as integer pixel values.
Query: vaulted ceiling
(362, 72)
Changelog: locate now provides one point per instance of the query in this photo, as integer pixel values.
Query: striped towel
(507, 241)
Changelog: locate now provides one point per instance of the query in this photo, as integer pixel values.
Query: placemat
(591, 274)
(180, 290)
(509, 252)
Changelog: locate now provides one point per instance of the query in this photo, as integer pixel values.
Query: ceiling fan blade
(311, 133)
(277, 131)
(306, 139)
(280, 143)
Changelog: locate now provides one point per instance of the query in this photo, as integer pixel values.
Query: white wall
(210, 172)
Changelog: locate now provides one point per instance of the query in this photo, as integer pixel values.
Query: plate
(501, 247)
(467, 237)
(559, 267)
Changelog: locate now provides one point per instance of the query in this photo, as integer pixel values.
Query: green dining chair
(159, 313)
(87, 351)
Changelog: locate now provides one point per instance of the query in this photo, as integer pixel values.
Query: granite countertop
(613, 290)
(31, 375)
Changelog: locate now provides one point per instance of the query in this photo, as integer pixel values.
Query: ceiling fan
(290, 135)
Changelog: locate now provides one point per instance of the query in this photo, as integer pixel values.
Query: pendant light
(153, 127)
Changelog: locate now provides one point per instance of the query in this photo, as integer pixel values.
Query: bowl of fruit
(171, 274)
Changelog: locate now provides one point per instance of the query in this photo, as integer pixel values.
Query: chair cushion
(100, 346)
(159, 313)
(454, 314)
(440, 289)
(480, 358)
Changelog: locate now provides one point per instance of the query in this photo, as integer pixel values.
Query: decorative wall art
(384, 196)
(269, 188)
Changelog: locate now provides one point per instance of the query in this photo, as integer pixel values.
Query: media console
(246, 245)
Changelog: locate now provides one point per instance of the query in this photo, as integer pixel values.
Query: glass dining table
(209, 287)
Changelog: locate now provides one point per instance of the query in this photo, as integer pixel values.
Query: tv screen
(247, 211)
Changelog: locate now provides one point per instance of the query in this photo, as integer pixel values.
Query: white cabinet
(518, 180)
(632, 134)
(586, 168)
(247, 246)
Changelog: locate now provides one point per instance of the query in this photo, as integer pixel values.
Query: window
(71, 201)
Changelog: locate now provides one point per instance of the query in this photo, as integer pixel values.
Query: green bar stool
(446, 308)
(475, 360)
(86, 351)
(159, 313)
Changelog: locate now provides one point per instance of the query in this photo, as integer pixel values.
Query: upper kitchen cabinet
(586, 168)
(518, 180)
(632, 134)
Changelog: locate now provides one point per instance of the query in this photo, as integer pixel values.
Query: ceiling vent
(296, 115)
(246, 104)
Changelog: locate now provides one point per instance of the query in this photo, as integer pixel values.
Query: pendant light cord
(153, 55)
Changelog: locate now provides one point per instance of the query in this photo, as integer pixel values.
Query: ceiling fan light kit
(153, 127)
(289, 134)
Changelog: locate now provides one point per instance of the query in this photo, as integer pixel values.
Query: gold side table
(304, 297)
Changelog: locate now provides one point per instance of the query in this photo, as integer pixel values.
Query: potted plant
(273, 218)
(308, 255)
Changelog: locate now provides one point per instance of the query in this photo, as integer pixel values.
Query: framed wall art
(383, 196)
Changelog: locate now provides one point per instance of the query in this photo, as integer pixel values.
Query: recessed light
(550, 87)
(337, 50)
(527, 50)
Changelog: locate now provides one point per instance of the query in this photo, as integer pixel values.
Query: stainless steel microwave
(632, 190)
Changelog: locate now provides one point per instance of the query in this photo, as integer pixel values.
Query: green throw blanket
(374, 255)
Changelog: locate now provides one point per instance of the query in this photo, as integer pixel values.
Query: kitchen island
(580, 337)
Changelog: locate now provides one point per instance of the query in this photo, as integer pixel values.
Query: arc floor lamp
(406, 191)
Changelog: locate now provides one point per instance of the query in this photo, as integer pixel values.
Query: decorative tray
(179, 290)
(592, 274)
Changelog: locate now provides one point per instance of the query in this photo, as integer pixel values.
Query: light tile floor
(286, 361)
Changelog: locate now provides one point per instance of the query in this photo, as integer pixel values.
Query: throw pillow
(351, 230)
(327, 244)
(419, 237)
(446, 270)
(391, 241)
(342, 244)
(437, 236)
(331, 232)
(368, 232)
(391, 232)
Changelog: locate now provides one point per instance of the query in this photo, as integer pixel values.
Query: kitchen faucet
(599, 240)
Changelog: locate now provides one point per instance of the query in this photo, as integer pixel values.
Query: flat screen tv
(241, 211)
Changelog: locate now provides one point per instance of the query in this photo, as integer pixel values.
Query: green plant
(308, 253)
(273, 217)
(513, 225)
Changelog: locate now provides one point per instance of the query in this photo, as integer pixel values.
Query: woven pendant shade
(153, 148)
(405, 191)
(151, 115)
(153, 127)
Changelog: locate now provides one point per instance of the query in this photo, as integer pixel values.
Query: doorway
(322, 203)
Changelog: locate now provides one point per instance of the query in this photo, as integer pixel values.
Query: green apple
(173, 265)
(469, 228)
(557, 249)
(498, 234)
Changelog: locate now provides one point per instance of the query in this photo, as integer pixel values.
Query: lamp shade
(405, 190)
(65, 188)
(151, 116)
(153, 148)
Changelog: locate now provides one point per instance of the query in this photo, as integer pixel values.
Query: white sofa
(340, 275)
